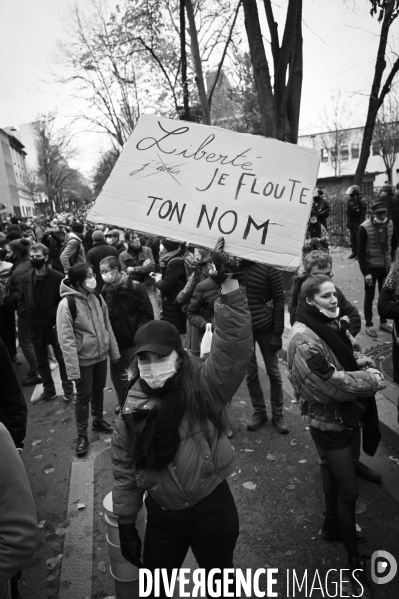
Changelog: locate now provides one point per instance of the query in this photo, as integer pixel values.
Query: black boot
(331, 532)
(82, 445)
(359, 580)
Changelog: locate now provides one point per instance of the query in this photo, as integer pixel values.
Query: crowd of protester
(78, 296)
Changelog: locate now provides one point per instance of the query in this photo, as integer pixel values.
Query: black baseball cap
(158, 336)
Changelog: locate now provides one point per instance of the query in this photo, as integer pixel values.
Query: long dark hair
(198, 406)
(295, 291)
(77, 274)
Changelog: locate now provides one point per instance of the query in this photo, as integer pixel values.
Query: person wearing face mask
(112, 238)
(336, 393)
(376, 244)
(101, 249)
(38, 302)
(129, 309)
(316, 235)
(138, 260)
(170, 439)
(86, 339)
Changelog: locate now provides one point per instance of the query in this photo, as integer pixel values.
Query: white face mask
(108, 277)
(156, 375)
(380, 221)
(109, 240)
(329, 313)
(90, 284)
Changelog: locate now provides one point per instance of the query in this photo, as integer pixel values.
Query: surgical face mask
(380, 221)
(109, 240)
(90, 284)
(329, 313)
(108, 277)
(156, 374)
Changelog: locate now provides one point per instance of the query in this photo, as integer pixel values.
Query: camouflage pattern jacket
(319, 380)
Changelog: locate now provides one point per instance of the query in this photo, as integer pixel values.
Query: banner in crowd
(194, 183)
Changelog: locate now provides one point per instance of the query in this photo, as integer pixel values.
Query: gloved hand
(225, 267)
(130, 543)
(276, 343)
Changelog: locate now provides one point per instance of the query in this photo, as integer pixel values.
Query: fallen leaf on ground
(81, 506)
(107, 440)
(233, 474)
(293, 442)
(36, 442)
(38, 457)
(258, 440)
(53, 562)
(49, 471)
(290, 552)
(394, 460)
(60, 531)
(101, 566)
(55, 546)
(52, 430)
(50, 578)
(270, 457)
(361, 507)
(41, 523)
(302, 461)
(249, 485)
(247, 450)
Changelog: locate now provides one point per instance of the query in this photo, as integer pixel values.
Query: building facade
(14, 194)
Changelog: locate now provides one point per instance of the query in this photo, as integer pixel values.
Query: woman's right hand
(379, 376)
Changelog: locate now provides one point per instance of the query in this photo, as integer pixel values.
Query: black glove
(276, 343)
(130, 543)
(225, 266)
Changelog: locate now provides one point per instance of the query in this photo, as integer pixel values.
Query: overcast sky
(340, 44)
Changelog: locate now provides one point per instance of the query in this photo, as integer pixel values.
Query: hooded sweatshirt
(89, 338)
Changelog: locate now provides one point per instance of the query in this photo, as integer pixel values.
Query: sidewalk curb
(387, 411)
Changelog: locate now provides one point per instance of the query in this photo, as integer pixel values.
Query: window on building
(355, 151)
(324, 155)
(344, 152)
(333, 153)
(376, 148)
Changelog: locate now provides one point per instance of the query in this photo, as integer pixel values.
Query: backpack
(188, 265)
(73, 259)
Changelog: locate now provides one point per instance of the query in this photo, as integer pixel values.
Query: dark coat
(41, 323)
(13, 411)
(119, 246)
(388, 307)
(128, 308)
(173, 281)
(201, 307)
(265, 293)
(18, 271)
(54, 243)
(98, 252)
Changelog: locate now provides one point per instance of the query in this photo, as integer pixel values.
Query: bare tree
(279, 101)
(386, 132)
(388, 11)
(337, 121)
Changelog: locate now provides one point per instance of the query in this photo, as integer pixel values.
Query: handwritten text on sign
(193, 183)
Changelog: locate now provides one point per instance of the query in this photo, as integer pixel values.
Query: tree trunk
(186, 106)
(199, 77)
(375, 100)
(261, 70)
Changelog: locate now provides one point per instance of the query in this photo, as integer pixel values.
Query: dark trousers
(120, 371)
(43, 366)
(90, 386)
(353, 229)
(210, 528)
(270, 359)
(378, 275)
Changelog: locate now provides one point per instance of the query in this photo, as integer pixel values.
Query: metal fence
(336, 222)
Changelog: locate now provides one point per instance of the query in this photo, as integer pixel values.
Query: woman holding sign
(336, 392)
(170, 439)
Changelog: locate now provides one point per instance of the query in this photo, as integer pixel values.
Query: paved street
(280, 518)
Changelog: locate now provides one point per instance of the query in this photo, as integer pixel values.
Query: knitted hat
(77, 227)
(379, 205)
(98, 236)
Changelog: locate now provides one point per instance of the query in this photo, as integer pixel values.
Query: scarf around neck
(156, 432)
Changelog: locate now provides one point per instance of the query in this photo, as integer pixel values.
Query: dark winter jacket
(54, 243)
(201, 307)
(173, 281)
(142, 263)
(322, 208)
(13, 411)
(265, 293)
(369, 250)
(18, 521)
(392, 202)
(119, 246)
(98, 252)
(203, 459)
(129, 307)
(41, 319)
(388, 307)
(18, 271)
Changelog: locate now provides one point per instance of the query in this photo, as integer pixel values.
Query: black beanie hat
(77, 227)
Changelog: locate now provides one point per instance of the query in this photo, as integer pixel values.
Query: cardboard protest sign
(194, 183)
